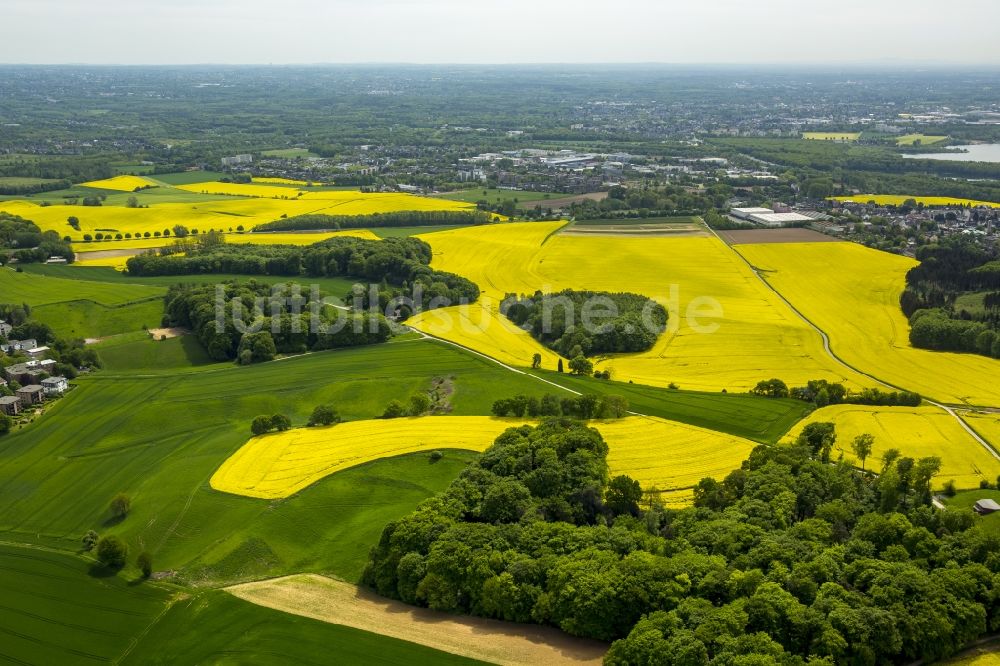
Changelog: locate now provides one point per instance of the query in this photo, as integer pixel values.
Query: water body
(982, 152)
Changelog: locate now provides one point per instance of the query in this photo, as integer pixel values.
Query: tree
(623, 495)
(862, 447)
(89, 540)
(111, 552)
(121, 505)
(394, 410)
(280, 422)
(581, 366)
(260, 425)
(145, 564)
(180, 231)
(536, 361)
(324, 415)
(771, 388)
(559, 367)
(6, 423)
(419, 404)
(820, 438)
(132, 202)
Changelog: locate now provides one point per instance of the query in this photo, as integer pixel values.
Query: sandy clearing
(111, 254)
(337, 602)
(167, 333)
(792, 235)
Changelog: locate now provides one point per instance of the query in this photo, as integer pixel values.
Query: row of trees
(405, 218)
(787, 560)
(821, 393)
(587, 406)
(587, 323)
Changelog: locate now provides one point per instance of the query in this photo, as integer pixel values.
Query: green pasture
(87, 319)
(964, 500)
(493, 195)
(188, 177)
(38, 287)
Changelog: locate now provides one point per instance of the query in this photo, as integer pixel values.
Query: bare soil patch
(111, 254)
(498, 642)
(167, 333)
(794, 235)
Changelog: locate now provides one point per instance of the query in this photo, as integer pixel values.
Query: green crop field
(133, 169)
(87, 319)
(138, 352)
(494, 195)
(233, 631)
(52, 611)
(18, 181)
(684, 220)
(36, 288)
(288, 153)
(189, 177)
(760, 419)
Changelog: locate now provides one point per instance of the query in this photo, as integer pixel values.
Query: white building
(778, 219)
(745, 213)
(55, 385)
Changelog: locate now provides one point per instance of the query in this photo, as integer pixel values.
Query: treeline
(259, 321)
(664, 201)
(406, 218)
(821, 393)
(34, 188)
(618, 322)
(788, 560)
(947, 270)
(587, 406)
(24, 241)
(76, 169)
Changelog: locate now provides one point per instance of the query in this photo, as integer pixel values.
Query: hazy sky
(509, 31)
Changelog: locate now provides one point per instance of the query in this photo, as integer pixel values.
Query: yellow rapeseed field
(918, 433)
(120, 183)
(899, 199)
(662, 455)
(220, 215)
(986, 424)
(852, 293)
(242, 189)
(832, 136)
(924, 139)
(758, 336)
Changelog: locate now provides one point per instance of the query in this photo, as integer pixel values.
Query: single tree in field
(89, 540)
(260, 425)
(394, 410)
(145, 564)
(862, 446)
(419, 404)
(111, 552)
(536, 361)
(280, 422)
(324, 415)
(623, 495)
(132, 202)
(581, 366)
(560, 366)
(121, 505)
(5, 424)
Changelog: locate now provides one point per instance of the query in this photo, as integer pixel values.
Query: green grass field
(18, 181)
(648, 220)
(52, 611)
(760, 419)
(189, 177)
(137, 352)
(133, 169)
(965, 499)
(37, 287)
(87, 319)
(233, 631)
(494, 195)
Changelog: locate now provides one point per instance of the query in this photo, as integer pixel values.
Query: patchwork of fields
(755, 336)
(900, 199)
(920, 432)
(852, 293)
(662, 455)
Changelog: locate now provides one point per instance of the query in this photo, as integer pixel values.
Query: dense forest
(788, 560)
(938, 320)
(259, 321)
(399, 265)
(24, 241)
(588, 323)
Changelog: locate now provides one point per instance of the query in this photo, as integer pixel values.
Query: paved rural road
(829, 350)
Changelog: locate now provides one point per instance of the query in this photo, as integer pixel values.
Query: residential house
(10, 405)
(13, 346)
(5, 329)
(31, 395)
(30, 372)
(37, 352)
(55, 386)
(985, 507)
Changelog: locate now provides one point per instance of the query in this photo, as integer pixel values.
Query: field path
(336, 602)
(829, 350)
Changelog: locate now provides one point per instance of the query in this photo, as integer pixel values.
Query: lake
(983, 152)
